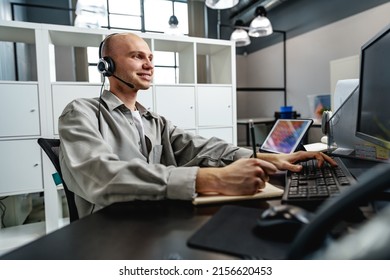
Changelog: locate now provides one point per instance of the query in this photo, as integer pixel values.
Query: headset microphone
(126, 83)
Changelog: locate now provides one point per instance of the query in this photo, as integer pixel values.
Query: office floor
(33, 227)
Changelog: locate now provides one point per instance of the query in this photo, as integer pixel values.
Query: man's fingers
(268, 167)
(321, 158)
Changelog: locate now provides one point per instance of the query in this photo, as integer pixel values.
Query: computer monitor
(373, 115)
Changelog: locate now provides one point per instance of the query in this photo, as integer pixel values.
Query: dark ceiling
(292, 16)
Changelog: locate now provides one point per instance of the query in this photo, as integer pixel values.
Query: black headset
(106, 67)
(106, 64)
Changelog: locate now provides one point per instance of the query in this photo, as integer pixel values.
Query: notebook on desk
(270, 191)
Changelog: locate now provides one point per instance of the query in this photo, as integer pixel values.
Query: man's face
(133, 60)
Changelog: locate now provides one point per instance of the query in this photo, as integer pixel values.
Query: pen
(252, 128)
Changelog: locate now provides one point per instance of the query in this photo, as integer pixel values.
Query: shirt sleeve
(94, 172)
(195, 150)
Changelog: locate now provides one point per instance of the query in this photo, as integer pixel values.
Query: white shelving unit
(205, 93)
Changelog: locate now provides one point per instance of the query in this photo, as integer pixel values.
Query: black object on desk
(252, 128)
(313, 184)
(221, 234)
(293, 115)
(282, 222)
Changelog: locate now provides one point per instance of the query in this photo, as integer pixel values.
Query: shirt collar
(113, 102)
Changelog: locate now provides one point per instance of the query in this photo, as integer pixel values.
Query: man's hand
(287, 161)
(242, 177)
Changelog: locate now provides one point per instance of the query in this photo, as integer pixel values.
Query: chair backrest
(51, 148)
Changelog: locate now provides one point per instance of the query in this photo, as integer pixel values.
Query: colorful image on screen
(285, 136)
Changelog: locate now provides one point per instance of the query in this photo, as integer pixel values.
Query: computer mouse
(281, 222)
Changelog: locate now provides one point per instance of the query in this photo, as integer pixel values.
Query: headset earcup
(106, 66)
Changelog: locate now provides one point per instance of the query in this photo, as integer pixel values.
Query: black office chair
(51, 148)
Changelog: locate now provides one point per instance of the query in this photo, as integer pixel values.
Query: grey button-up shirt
(102, 161)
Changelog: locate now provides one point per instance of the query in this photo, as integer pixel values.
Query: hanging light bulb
(221, 4)
(260, 25)
(173, 22)
(173, 28)
(239, 35)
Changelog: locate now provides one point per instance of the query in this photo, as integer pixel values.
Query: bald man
(114, 150)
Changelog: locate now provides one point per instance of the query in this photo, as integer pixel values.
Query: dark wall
(293, 16)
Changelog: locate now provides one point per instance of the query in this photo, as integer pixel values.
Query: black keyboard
(315, 184)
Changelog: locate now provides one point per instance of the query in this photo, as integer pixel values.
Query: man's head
(126, 58)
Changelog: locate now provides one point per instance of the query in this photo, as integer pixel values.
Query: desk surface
(139, 230)
(133, 230)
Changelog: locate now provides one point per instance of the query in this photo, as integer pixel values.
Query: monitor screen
(373, 118)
